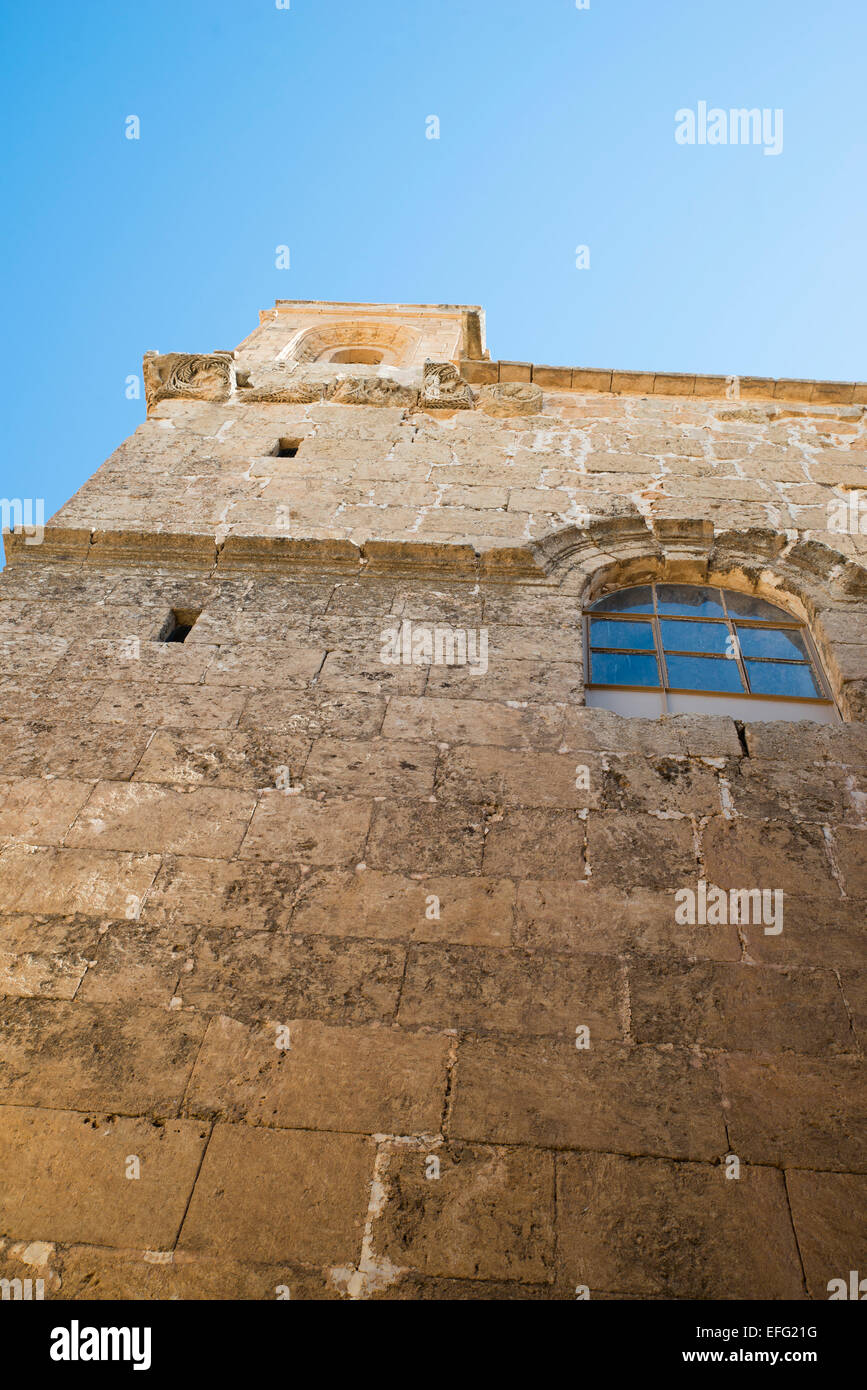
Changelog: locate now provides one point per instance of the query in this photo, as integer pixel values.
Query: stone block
(605, 1097)
(138, 816)
(269, 1195)
(738, 1007)
(366, 1080)
(700, 1235)
(490, 1215)
(67, 1177)
(515, 991)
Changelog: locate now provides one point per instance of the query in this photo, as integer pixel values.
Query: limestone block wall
(466, 477)
(374, 970)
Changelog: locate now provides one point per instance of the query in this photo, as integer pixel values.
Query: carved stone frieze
(372, 390)
(181, 375)
(444, 388)
(510, 398)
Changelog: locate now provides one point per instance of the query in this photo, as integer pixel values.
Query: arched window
(371, 356)
(679, 648)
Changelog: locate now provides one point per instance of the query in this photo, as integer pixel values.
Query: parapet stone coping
(613, 382)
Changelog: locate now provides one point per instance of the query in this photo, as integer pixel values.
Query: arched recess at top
(814, 582)
(394, 343)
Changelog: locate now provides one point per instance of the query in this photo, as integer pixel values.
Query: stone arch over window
(356, 341)
(810, 582)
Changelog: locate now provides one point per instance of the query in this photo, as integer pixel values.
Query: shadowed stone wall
(374, 969)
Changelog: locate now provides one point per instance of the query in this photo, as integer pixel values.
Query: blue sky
(306, 127)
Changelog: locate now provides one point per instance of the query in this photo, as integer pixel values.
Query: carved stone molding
(179, 375)
(372, 390)
(444, 388)
(510, 398)
(396, 341)
(298, 392)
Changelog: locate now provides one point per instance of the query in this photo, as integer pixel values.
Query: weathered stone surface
(427, 879)
(513, 991)
(426, 839)
(373, 767)
(255, 975)
(471, 911)
(302, 830)
(700, 1235)
(39, 812)
(605, 1096)
(341, 714)
(489, 1215)
(511, 398)
(828, 1210)
(851, 853)
(71, 880)
(172, 707)
(81, 750)
(68, 1176)
(221, 893)
(768, 854)
(829, 930)
(739, 1007)
(138, 962)
(303, 1074)
(268, 1195)
(587, 915)
(138, 816)
(472, 721)
(526, 843)
(640, 852)
(239, 758)
(806, 1112)
(100, 1273)
(141, 1064)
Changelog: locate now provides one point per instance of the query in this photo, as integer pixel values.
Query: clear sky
(306, 127)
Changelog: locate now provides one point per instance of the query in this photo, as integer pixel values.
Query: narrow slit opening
(179, 625)
(286, 448)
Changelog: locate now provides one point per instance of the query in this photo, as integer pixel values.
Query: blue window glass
(607, 632)
(703, 673)
(678, 636)
(784, 643)
(637, 600)
(690, 600)
(621, 668)
(748, 606)
(700, 641)
(771, 678)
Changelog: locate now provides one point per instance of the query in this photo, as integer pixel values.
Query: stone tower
(346, 944)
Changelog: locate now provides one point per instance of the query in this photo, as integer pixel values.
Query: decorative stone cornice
(613, 541)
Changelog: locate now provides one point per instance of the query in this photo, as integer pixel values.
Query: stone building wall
(313, 937)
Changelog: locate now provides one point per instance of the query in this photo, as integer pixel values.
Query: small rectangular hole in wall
(179, 625)
(286, 448)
